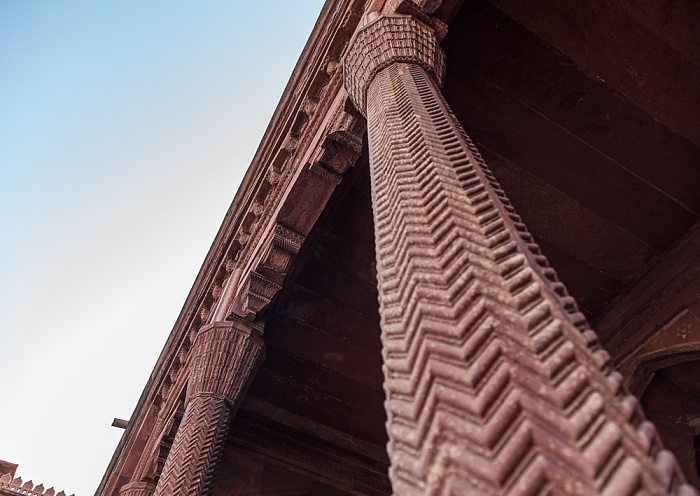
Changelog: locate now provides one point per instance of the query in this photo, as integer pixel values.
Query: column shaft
(224, 358)
(194, 458)
(494, 382)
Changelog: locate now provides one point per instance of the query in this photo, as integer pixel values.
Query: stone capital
(384, 41)
(223, 356)
(137, 489)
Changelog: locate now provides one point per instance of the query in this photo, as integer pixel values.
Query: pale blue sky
(125, 129)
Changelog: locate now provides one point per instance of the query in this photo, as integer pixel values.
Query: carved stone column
(494, 382)
(225, 354)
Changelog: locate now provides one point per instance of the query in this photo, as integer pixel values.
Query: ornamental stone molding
(222, 356)
(18, 486)
(383, 42)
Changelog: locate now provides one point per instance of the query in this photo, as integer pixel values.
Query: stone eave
(336, 24)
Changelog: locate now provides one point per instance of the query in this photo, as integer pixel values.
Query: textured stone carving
(195, 454)
(224, 357)
(494, 382)
(287, 239)
(137, 489)
(385, 41)
(341, 147)
(162, 449)
(284, 245)
(328, 175)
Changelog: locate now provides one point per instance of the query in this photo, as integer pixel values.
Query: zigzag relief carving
(495, 383)
(224, 358)
(197, 445)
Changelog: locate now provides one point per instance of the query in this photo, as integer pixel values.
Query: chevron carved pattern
(196, 448)
(495, 384)
(225, 355)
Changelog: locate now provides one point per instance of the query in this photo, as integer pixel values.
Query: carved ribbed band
(137, 489)
(494, 383)
(224, 357)
(384, 41)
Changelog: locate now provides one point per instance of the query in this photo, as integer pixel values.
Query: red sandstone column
(224, 356)
(495, 384)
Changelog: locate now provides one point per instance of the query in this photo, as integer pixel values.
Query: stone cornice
(314, 136)
(249, 231)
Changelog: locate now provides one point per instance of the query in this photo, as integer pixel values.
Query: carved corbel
(284, 245)
(260, 291)
(423, 11)
(341, 147)
(255, 295)
(262, 284)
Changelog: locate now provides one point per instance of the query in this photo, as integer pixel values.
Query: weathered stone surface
(609, 189)
(385, 41)
(224, 357)
(137, 489)
(495, 384)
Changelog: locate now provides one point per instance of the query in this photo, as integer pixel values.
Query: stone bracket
(423, 12)
(255, 295)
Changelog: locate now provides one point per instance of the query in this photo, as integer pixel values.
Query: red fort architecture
(13, 486)
(374, 317)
